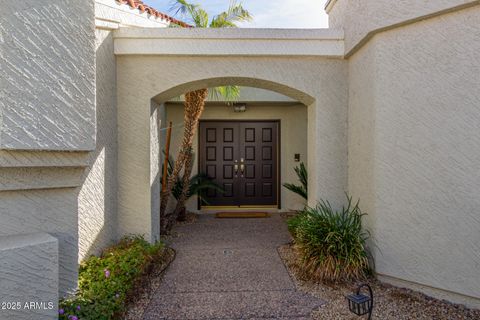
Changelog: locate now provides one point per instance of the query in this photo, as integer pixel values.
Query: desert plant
(331, 243)
(198, 184)
(301, 190)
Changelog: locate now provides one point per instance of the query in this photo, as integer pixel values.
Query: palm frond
(296, 189)
(229, 94)
(190, 12)
(228, 19)
(200, 18)
(182, 7)
(302, 174)
(200, 184)
(301, 190)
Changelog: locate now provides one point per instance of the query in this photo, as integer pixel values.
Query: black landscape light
(361, 304)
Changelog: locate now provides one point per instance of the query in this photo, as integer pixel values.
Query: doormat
(240, 215)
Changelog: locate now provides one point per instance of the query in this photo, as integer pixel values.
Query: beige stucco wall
(362, 19)
(413, 152)
(55, 101)
(293, 137)
(39, 193)
(52, 210)
(47, 82)
(138, 171)
(361, 132)
(31, 260)
(47, 106)
(97, 200)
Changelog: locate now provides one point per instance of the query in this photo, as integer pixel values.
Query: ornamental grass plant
(106, 283)
(331, 243)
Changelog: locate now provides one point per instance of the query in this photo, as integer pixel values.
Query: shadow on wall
(53, 211)
(97, 201)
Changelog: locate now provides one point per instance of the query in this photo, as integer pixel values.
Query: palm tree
(195, 103)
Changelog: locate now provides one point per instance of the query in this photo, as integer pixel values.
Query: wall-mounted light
(239, 107)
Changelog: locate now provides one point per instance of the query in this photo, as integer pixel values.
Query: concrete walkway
(229, 269)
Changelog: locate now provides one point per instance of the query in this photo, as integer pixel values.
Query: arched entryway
(144, 82)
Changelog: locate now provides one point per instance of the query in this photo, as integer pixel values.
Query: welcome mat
(240, 215)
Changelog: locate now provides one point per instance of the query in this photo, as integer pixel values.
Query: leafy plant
(331, 243)
(106, 282)
(301, 190)
(198, 184)
(198, 17)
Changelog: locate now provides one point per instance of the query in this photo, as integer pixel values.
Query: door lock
(242, 167)
(235, 167)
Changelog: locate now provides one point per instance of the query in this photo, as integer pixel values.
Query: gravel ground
(136, 308)
(149, 285)
(191, 217)
(390, 302)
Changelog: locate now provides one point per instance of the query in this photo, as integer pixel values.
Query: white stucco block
(229, 42)
(53, 211)
(363, 19)
(47, 75)
(413, 153)
(29, 277)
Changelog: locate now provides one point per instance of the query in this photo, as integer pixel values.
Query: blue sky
(266, 14)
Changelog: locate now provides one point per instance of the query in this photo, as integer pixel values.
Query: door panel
(258, 149)
(242, 157)
(218, 149)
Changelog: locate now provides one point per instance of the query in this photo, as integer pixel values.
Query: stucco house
(384, 105)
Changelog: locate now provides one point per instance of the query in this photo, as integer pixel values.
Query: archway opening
(178, 90)
(249, 154)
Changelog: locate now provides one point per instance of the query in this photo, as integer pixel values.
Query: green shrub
(331, 244)
(106, 282)
(294, 222)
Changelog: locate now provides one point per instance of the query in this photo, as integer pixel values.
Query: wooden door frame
(279, 153)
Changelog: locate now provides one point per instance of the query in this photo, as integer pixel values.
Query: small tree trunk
(165, 194)
(182, 214)
(194, 105)
(180, 209)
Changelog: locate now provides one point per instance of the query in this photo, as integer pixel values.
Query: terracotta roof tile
(138, 4)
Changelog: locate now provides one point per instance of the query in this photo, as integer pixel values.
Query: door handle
(235, 167)
(242, 166)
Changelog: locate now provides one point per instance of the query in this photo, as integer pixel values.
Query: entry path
(229, 269)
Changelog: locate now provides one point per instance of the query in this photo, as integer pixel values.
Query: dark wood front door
(242, 157)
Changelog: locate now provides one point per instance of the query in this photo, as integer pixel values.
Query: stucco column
(135, 205)
(312, 157)
(156, 117)
(327, 151)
